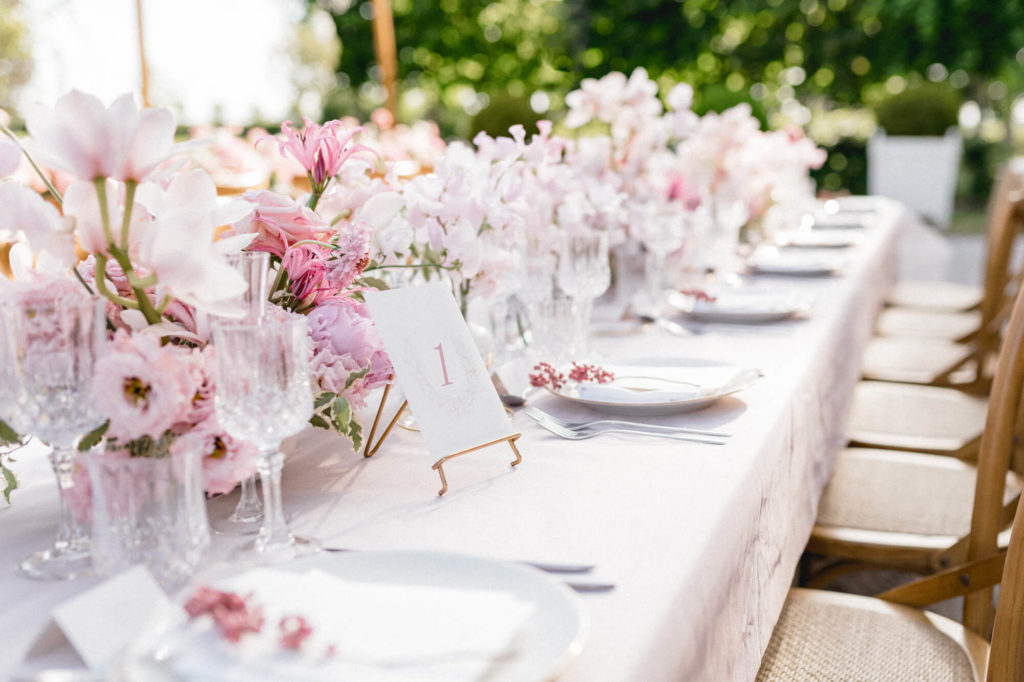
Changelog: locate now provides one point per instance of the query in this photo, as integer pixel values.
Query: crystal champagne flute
(253, 266)
(584, 274)
(51, 347)
(264, 394)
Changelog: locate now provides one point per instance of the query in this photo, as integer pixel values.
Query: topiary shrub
(927, 109)
(718, 98)
(503, 112)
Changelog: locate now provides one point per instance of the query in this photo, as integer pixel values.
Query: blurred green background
(829, 66)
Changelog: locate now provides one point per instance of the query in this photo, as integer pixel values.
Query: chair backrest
(1004, 223)
(1006, 657)
(997, 444)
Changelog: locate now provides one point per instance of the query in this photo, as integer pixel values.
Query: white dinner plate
(800, 263)
(743, 377)
(740, 307)
(552, 636)
(822, 239)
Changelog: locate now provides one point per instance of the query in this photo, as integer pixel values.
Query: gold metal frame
(371, 448)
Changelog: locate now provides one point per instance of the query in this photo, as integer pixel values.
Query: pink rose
(278, 222)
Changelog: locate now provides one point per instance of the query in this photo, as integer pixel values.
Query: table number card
(439, 368)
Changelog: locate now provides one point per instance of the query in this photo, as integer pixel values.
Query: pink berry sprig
(546, 375)
(698, 294)
(590, 373)
(294, 631)
(231, 613)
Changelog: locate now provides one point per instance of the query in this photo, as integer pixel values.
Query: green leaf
(342, 415)
(375, 282)
(323, 399)
(94, 437)
(319, 422)
(8, 436)
(10, 482)
(356, 376)
(355, 432)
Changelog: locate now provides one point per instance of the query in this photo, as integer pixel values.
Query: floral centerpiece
(152, 238)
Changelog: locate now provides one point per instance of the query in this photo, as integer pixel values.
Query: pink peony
(143, 388)
(345, 341)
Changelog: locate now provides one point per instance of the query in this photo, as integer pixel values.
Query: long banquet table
(701, 541)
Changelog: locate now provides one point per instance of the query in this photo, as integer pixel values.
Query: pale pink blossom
(10, 156)
(143, 388)
(179, 246)
(83, 137)
(24, 211)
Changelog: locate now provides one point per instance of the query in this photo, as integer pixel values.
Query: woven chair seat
(927, 323)
(920, 418)
(829, 637)
(891, 358)
(935, 295)
(902, 492)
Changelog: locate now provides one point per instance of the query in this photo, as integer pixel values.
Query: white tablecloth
(701, 541)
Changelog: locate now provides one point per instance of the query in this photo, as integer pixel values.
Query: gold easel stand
(371, 448)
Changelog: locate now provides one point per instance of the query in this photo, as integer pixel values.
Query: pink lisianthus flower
(226, 461)
(83, 137)
(143, 388)
(346, 341)
(278, 222)
(321, 150)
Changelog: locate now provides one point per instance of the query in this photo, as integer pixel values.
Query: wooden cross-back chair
(949, 360)
(829, 635)
(923, 512)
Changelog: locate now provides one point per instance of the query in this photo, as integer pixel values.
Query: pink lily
(321, 150)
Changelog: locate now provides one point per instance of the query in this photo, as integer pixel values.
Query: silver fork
(570, 434)
(541, 416)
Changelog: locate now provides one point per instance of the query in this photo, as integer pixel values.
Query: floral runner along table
(701, 541)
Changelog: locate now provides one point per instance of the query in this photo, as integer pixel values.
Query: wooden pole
(386, 50)
(142, 55)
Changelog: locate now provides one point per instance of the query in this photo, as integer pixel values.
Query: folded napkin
(376, 631)
(649, 384)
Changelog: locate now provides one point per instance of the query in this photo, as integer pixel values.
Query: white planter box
(921, 172)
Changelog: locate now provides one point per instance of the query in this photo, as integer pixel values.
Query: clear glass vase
(150, 511)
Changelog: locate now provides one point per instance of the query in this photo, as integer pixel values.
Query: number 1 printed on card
(444, 367)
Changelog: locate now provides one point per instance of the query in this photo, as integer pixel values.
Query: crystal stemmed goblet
(52, 346)
(253, 266)
(584, 274)
(264, 395)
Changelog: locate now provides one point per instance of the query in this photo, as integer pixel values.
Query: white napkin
(648, 384)
(380, 632)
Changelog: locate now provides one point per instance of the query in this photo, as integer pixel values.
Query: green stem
(163, 304)
(314, 241)
(145, 306)
(101, 195)
(129, 204)
(101, 285)
(39, 171)
(412, 265)
(82, 280)
(315, 192)
(278, 280)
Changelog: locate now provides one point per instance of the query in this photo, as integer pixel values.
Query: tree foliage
(15, 54)
(453, 51)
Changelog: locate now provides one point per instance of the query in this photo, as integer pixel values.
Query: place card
(100, 623)
(439, 368)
